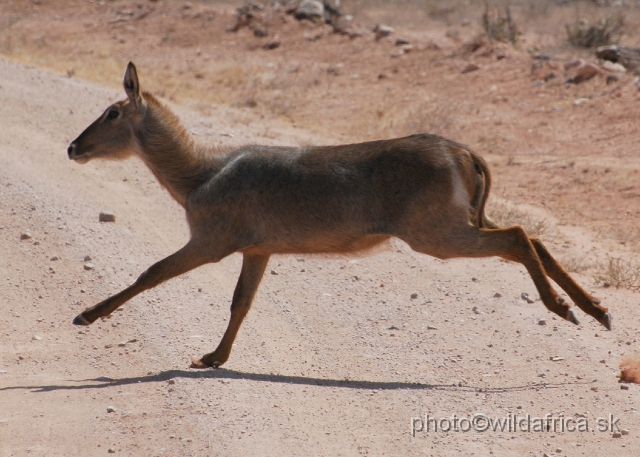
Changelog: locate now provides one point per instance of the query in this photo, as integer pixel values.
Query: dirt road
(335, 358)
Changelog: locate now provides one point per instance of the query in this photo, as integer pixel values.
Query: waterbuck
(260, 200)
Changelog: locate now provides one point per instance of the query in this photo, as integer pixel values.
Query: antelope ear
(131, 85)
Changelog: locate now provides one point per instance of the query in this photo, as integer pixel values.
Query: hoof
(197, 363)
(571, 317)
(79, 320)
(606, 321)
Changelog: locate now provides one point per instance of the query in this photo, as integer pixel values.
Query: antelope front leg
(187, 258)
(253, 267)
(585, 301)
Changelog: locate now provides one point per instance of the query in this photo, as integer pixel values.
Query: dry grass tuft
(499, 26)
(577, 263)
(618, 273)
(605, 32)
(506, 214)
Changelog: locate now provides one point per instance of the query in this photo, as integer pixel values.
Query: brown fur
(258, 200)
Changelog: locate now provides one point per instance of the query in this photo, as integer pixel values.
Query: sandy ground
(324, 365)
(335, 357)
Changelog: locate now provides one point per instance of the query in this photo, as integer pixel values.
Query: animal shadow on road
(220, 373)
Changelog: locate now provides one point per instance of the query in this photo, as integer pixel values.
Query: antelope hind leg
(585, 301)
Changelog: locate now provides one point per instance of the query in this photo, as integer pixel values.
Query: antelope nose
(71, 149)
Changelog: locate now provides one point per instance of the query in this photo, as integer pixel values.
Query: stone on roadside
(26, 235)
(312, 10)
(107, 216)
(111, 409)
(468, 68)
(614, 67)
(89, 266)
(382, 31)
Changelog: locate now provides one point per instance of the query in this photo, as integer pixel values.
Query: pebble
(624, 387)
(594, 388)
(26, 235)
(497, 295)
(476, 310)
(525, 296)
(87, 258)
(468, 68)
(556, 359)
(36, 338)
(54, 258)
(617, 434)
(274, 272)
(111, 450)
(431, 327)
(624, 431)
(89, 266)
(111, 409)
(107, 216)
(542, 321)
(414, 296)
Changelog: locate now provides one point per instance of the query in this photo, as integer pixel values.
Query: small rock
(573, 63)
(89, 266)
(87, 258)
(580, 101)
(542, 375)
(556, 359)
(615, 67)
(36, 338)
(624, 387)
(382, 31)
(310, 9)
(111, 409)
(468, 68)
(414, 296)
(107, 216)
(542, 321)
(616, 434)
(594, 388)
(171, 381)
(431, 327)
(476, 310)
(393, 327)
(624, 431)
(111, 450)
(274, 272)
(260, 32)
(402, 41)
(525, 296)
(26, 235)
(54, 258)
(271, 45)
(497, 295)
(612, 79)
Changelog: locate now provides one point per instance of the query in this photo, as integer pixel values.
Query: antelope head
(112, 135)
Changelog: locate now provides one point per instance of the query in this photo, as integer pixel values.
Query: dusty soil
(325, 364)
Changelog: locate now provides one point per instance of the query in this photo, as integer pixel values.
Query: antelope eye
(113, 114)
